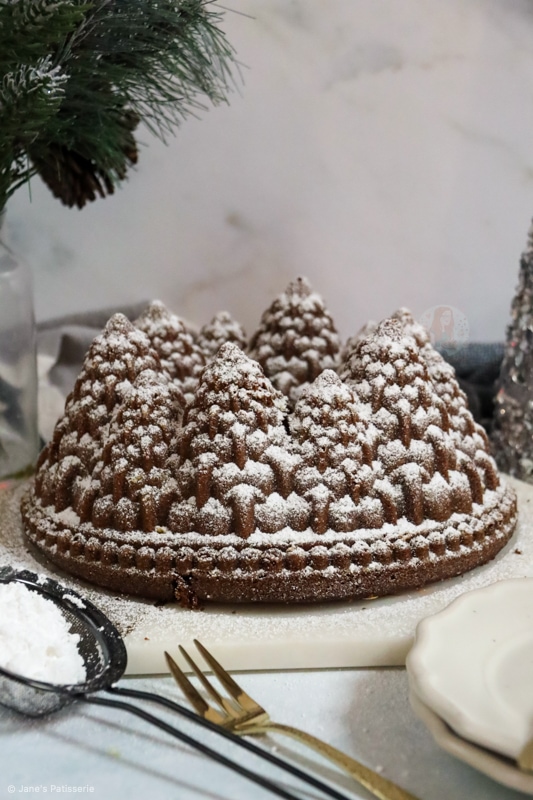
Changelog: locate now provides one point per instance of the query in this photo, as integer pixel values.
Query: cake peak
(181, 357)
(222, 328)
(389, 329)
(296, 339)
(232, 367)
(300, 286)
(156, 310)
(118, 323)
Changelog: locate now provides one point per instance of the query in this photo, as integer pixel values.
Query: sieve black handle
(244, 743)
(189, 740)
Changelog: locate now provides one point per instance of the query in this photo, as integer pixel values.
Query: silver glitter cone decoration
(513, 421)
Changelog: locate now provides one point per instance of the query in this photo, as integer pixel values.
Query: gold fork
(244, 716)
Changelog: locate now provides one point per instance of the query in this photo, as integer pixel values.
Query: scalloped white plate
(472, 664)
(496, 767)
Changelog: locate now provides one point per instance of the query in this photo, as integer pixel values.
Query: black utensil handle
(183, 737)
(244, 743)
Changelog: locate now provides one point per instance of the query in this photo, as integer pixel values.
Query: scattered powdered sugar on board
(340, 634)
(35, 640)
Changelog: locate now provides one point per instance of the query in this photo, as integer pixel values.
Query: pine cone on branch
(75, 179)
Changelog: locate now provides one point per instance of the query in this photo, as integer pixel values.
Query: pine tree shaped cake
(181, 357)
(376, 481)
(229, 442)
(222, 328)
(353, 341)
(416, 450)
(468, 435)
(135, 476)
(413, 328)
(337, 451)
(114, 361)
(296, 339)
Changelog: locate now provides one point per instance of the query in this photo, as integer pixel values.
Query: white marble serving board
(253, 637)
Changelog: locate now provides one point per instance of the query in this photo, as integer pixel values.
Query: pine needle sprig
(30, 29)
(103, 66)
(29, 97)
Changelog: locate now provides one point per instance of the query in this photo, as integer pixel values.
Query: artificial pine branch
(30, 29)
(103, 66)
(29, 97)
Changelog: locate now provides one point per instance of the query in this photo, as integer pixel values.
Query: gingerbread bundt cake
(179, 473)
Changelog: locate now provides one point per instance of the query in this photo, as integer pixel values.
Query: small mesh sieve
(100, 646)
(105, 658)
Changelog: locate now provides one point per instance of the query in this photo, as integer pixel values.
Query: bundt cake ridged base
(295, 568)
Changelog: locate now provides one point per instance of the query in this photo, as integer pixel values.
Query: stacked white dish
(471, 678)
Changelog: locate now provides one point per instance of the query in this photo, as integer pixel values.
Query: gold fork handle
(525, 758)
(376, 784)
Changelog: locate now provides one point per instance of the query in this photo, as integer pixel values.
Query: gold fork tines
(243, 715)
(189, 690)
(254, 712)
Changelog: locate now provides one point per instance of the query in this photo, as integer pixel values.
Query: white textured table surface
(365, 712)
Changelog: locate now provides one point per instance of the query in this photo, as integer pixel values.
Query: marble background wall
(383, 148)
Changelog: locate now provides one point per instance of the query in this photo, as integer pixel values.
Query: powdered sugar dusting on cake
(469, 436)
(113, 363)
(378, 478)
(296, 339)
(134, 481)
(417, 442)
(237, 415)
(181, 357)
(412, 327)
(222, 328)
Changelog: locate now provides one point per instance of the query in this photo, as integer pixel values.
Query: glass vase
(19, 438)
